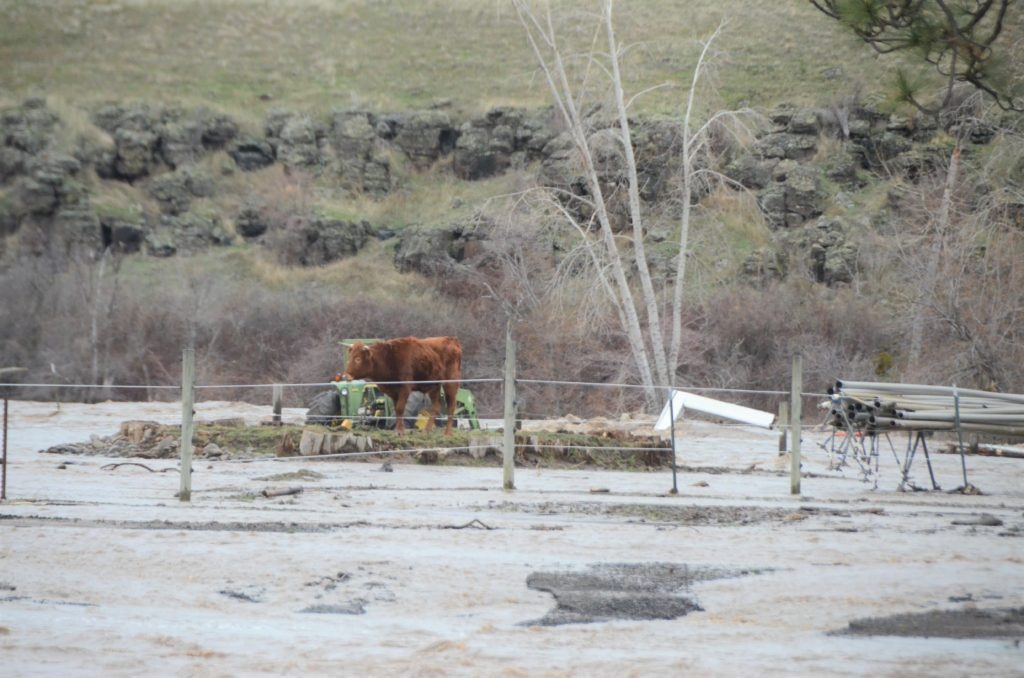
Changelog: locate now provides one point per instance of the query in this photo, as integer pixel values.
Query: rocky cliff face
(162, 156)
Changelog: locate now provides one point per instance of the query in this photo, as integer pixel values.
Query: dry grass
(316, 54)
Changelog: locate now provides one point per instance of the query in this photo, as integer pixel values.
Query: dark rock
(328, 240)
(34, 197)
(788, 146)
(251, 154)
(9, 218)
(751, 171)
(217, 130)
(12, 163)
(425, 136)
(502, 138)
(361, 165)
(181, 142)
(160, 243)
(875, 151)
(134, 153)
(189, 232)
(763, 266)
(351, 607)
(186, 135)
(432, 250)
(250, 222)
(804, 195)
(773, 204)
(122, 235)
(172, 192)
(198, 181)
(831, 258)
(842, 168)
(78, 226)
(27, 129)
(295, 138)
(275, 121)
(804, 121)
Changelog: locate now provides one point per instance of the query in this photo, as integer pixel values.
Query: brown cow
(412, 365)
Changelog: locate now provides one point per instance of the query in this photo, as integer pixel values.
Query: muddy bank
(965, 623)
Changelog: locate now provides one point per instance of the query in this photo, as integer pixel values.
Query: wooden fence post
(188, 378)
(796, 388)
(276, 398)
(509, 440)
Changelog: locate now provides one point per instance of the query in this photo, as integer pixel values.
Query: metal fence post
(796, 388)
(276, 396)
(509, 440)
(3, 484)
(188, 377)
(672, 420)
(783, 423)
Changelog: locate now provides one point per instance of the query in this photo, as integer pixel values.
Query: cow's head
(358, 365)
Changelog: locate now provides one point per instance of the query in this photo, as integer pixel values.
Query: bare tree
(638, 311)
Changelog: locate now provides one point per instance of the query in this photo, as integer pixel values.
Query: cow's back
(450, 351)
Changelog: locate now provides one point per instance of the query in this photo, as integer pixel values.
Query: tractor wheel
(324, 407)
(416, 403)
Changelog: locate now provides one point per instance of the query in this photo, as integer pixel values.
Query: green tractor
(362, 403)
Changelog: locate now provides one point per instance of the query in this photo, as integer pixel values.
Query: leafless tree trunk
(926, 291)
(543, 41)
(639, 312)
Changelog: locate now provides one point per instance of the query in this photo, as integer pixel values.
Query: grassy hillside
(246, 55)
(256, 315)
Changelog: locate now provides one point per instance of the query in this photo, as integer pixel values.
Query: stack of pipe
(881, 407)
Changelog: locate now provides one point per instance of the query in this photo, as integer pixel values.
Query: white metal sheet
(719, 408)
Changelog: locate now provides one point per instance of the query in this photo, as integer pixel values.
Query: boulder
(752, 171)
(804, 121)
(424, 137)
(361, 164)
(251, 154)
(876, 150)
(249, 222)
(181, 142)
(435, 250)
(831, 258)
(804, 194)
(327, 240)
(218, 130)
(795, 198)
(295, 138)
(12, 163)
(27, 128)
(763, 266)
(122, 235)
(78, 226)
(35, 198)
(502, 138)
(134, 154)
(171, 191)
(784, 145)
(188, 232)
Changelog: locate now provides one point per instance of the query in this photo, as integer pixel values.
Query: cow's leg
(435, 405)
(403, 396)
(451, 392)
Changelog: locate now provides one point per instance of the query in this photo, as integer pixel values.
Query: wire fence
(534, 399)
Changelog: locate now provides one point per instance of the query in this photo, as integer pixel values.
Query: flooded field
(435, 570)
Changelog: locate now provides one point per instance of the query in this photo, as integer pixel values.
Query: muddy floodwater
(305, 567)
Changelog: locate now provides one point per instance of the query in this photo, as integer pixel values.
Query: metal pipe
(919, 425)
(968, 416)
(922, 389)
